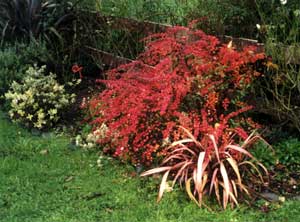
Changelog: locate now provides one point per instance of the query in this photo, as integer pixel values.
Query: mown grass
(65, 184)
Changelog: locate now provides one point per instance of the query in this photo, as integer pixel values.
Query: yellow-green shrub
(37, 101)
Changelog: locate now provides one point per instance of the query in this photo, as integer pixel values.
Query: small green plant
(38, 100)
(285, 153)
(266, 156)
(288, 153)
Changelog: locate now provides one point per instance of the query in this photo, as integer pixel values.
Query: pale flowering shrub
(89, 140)
(38, 100)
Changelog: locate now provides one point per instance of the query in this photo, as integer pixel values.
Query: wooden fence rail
(147, 28)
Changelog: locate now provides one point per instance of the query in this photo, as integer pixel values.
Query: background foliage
(15, 59)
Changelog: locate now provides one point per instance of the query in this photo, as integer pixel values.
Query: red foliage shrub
(184, 77)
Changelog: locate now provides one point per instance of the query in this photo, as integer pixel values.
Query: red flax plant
(214, 164)
(181, 73)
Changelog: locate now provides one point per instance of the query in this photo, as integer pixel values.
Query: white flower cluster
(283, 2)
(90, 141)
(38, 99)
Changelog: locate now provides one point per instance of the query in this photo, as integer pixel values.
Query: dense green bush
(38, 100)
(14, 60)
(9, 68)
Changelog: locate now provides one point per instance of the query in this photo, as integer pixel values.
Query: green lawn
(67, 185)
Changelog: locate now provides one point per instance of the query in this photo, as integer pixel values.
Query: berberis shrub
(38, 100)
(181, 100)
(184, 78)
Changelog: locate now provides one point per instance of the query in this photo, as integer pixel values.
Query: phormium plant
(216, 164)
